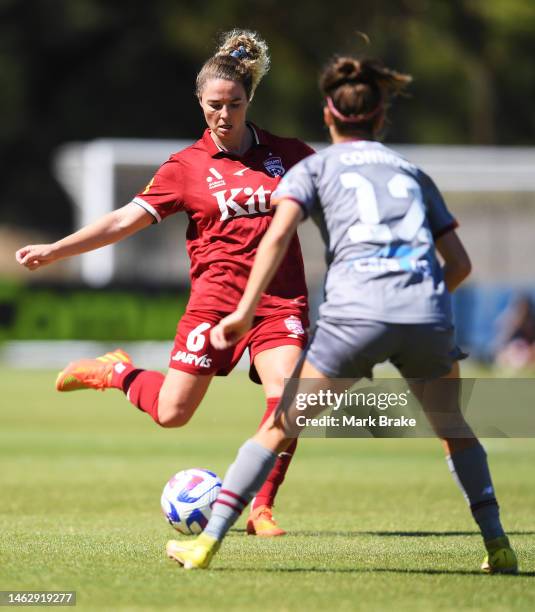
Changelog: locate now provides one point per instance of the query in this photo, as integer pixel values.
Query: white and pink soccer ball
(187, 499)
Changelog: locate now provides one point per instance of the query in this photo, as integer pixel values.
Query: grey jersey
(378, 215)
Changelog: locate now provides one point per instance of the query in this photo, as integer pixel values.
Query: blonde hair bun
(251, 50)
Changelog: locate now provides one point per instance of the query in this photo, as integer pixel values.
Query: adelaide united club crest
(274, 166)
(294, 326)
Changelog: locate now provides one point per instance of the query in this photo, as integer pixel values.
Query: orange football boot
(91, 373)
(262, 523)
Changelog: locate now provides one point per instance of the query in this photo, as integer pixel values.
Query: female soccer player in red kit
(223, 182)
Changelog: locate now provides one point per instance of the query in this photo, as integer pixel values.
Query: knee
(174, 413)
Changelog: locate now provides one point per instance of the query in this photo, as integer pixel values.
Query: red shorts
(193, 353)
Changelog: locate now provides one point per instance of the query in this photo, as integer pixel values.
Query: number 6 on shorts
(196, 340)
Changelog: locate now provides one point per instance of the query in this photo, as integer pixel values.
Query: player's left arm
(270, 253)
(457, 264)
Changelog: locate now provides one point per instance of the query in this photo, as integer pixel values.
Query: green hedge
(47, 313)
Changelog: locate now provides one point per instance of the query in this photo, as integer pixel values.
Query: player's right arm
(160, 198)
(109, 229)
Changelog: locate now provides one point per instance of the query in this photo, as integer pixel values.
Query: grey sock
(470, 470)
(242, 482)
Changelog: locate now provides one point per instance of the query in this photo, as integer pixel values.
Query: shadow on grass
(388, 534)
(409, 534)
(374, 570)
(425, 534)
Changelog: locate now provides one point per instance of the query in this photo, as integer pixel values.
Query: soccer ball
(187, 499)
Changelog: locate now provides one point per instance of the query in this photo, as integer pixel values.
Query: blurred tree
(80, 69)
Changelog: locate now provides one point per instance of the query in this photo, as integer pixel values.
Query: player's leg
(169, 400)
(273, 366)
(332, 353)
(466, 458)
(243, 479)
(335, 354)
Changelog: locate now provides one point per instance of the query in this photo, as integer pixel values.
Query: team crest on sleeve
(294, 325)
(274, 166)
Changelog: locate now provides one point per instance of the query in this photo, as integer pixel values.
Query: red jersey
(227, 200)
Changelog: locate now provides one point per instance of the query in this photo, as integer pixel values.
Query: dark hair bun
(348, 69)
(359, 89)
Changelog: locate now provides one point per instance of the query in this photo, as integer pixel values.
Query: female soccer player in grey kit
(387, 296)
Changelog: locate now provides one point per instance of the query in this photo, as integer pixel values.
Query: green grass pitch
(373, 524)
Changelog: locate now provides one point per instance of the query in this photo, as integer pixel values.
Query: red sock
(122, 374)
(266, 495)
(142, 387)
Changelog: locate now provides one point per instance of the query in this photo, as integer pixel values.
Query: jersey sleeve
(441, 221)
(300, 185)
(163, 195)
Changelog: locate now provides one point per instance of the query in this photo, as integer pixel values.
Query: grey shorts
(350, 350)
